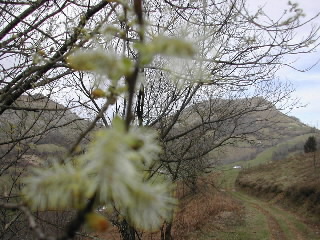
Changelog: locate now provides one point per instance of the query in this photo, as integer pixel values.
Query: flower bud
(97, 222)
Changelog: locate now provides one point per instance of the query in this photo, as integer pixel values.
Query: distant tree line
(282, 151)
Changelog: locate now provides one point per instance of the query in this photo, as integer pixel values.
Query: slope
(238, 129)
(293, 182)
(36, 126)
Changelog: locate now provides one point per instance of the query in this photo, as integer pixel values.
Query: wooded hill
(36, 130)
(35, 127)
(239, 129)
(251, 126)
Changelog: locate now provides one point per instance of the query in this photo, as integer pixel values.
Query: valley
(228, 203)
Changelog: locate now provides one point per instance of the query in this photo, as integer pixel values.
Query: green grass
(252, 227)
(5, 182)
(266, 156)
(284, 218)
(256, 226)
(229, 174)
(49, 148)
(255, 223)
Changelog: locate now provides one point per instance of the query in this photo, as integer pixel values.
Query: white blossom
(112, 168)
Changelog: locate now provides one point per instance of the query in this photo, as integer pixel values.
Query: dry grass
(207, 208)
(293, 181)
(203, 209)
(197, 210)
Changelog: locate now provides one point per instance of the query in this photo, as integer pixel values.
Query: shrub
(310, 145)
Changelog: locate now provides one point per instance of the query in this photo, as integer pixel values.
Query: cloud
(310, 96)
(307, 84)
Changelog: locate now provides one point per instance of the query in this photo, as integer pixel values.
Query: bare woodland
(198, 73)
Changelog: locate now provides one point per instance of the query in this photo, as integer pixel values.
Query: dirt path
(269, 224)
(281, 224)
(264, 220)
(294, 231)
(273, 225)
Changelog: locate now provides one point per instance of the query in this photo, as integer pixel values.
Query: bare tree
(235, 55)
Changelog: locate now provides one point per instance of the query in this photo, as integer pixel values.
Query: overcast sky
(307, 84)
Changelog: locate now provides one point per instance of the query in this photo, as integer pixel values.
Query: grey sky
(307, 84)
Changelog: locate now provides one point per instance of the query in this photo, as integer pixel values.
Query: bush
(310, 145)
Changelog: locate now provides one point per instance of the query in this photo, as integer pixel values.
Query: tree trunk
(166, 232)
(127, 232)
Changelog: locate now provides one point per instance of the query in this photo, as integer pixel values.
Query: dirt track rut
(282, 225)
(274, 227)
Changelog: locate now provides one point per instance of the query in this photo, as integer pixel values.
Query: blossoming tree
(133, 65)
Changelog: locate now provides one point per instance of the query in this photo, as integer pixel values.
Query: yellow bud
(97, 222)
(42, 53)
(98, 93)
(137, 144)
(112, 100)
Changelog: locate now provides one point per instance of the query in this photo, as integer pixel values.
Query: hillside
(271, 199)
(209, 213)
(253, 125)
(49, 126)
(36, 128)
(293, 182)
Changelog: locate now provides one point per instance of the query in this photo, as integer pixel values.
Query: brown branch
(31, 220)
(75, 225)
(19, 18)
(90, 127)
(10, 93)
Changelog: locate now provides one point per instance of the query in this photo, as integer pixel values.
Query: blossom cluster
(113, 169)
